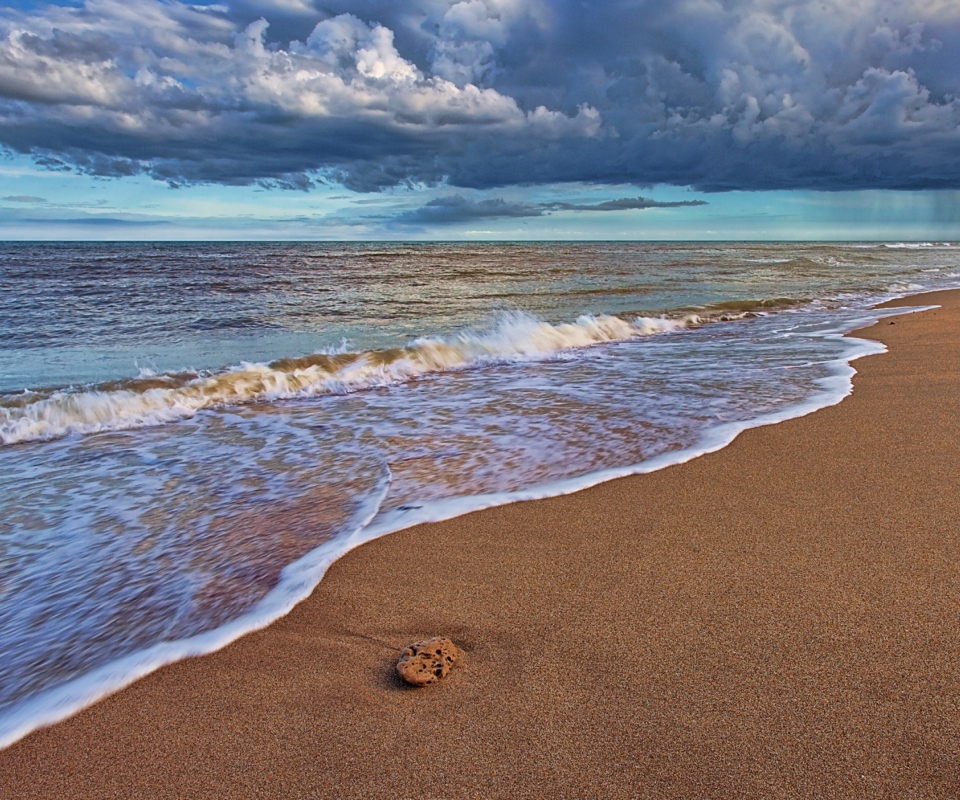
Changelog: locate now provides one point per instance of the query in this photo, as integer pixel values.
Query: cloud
(177, 92)
(731, 94)
(456, 208)
(626, 204)
(88, 221)
(97, 221)
(24, 198)
(445, 210)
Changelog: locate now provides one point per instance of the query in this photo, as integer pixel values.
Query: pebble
(426, 662)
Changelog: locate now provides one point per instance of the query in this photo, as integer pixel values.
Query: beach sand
(778, 619)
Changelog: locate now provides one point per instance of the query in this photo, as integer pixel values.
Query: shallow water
(190, 433)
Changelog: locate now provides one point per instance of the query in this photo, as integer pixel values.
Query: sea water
(191, 433)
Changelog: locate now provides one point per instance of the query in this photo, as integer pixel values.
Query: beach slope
(777, 619)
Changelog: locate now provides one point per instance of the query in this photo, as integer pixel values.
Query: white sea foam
(299, 578)
(901, 289)
(297, 581)
(511, 336)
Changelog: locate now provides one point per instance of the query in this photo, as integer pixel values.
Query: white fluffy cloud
(132, 74)
(135, 66)
(715, 93)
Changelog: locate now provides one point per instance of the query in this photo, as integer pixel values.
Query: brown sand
(779, 619)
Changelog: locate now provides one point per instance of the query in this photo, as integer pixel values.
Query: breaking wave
(156, 399)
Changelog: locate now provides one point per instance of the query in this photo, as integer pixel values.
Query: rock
(427, 661)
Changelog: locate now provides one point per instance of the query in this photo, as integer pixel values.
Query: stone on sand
(427, 661)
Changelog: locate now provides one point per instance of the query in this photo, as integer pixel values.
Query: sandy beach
(777, 619)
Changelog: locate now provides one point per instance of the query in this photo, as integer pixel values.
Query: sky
(480, 119)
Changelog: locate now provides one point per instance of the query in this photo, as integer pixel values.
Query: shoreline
(300, 578)
(368, 606)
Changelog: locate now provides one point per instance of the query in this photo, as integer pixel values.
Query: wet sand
(778, 619)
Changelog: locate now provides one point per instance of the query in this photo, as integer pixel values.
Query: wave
(917, 245)
(740, 309)
(904, 287)
(156, 399)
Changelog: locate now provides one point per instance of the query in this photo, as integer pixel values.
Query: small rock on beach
(428, 661)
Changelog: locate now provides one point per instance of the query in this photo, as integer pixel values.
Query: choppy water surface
(190, 433)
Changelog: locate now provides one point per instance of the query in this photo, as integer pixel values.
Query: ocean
(191, 433)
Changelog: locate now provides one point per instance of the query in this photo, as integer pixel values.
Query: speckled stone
(428, 661)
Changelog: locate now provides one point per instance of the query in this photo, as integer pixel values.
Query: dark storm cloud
(716, 94)
(626, 204)
(459, 209)
(456, 208)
